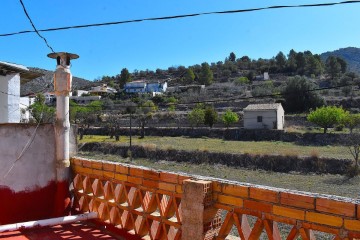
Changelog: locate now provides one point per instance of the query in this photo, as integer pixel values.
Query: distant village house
(143, 86)
(102, 90)
(83, 97)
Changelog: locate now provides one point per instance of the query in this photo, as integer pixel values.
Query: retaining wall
(237, 134)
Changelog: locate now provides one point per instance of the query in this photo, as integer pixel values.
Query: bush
(241, 81)
(230, 117)
(352, 171)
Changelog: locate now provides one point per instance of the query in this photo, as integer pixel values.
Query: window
(259, 118)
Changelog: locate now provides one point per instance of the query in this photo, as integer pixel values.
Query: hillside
(45, 83)
(350, 54)
(224, 72)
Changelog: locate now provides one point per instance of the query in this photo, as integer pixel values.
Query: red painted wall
(29, 189)
(40, 203)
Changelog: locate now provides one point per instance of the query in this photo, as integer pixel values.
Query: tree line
(294, 63)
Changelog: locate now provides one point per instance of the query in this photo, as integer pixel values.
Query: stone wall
(237, 134)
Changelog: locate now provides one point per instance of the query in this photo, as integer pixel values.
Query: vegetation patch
(276, 163)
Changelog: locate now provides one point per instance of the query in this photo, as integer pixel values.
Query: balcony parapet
(164, 205)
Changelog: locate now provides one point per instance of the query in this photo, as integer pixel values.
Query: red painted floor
(83, 230)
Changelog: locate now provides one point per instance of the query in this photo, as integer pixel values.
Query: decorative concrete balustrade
(162, 205)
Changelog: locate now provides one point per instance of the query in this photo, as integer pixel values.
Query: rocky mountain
(350, 54)
(45, 83)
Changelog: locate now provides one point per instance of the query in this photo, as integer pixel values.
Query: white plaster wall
(250, 119)
(3, 99)
(36, 168)
(280, 118)
(10, 98)
(25, 102)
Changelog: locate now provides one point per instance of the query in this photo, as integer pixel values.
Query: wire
(39, 91)
(174, 17)
(35, 30)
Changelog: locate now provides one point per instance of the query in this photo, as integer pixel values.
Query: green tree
(327, 117)
(280, 61)
(343, 64)
(206, 75)
(125, 77)
(300, 63)
(196, 116)
(210, 116)
(40, 111)
(352, 121)
(313, 66)
(145, 113)
(232, 57)
(299, 97)
(244, 62)
(230, 117)
(333, 67)
(291, 64)
(189, 76)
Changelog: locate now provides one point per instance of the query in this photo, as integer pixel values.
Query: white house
(145, 87)
(102, 90)
(11, 75)
(50, 97)
(269, 116)
(156, 87)
(79, 93)
(25, 103)
(135, 87)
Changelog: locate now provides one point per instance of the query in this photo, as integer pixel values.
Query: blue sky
(161, 44)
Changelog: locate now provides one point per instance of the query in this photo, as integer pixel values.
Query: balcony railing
(162, 205)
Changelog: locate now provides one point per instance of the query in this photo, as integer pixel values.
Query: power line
(174, 17)
(35, 30)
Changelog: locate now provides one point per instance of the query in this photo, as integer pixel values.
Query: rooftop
(266, 106)
(25, 73)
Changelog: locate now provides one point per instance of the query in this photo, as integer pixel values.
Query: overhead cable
(35, 29)
(175, 17)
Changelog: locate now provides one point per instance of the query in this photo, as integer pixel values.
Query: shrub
(229, 117)
(352, 171)
(241, 81)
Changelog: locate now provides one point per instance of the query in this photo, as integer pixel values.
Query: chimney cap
(63, 54)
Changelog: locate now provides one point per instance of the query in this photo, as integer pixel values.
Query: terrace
(67, 197)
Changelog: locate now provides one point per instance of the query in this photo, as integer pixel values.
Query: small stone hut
(264, 116)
